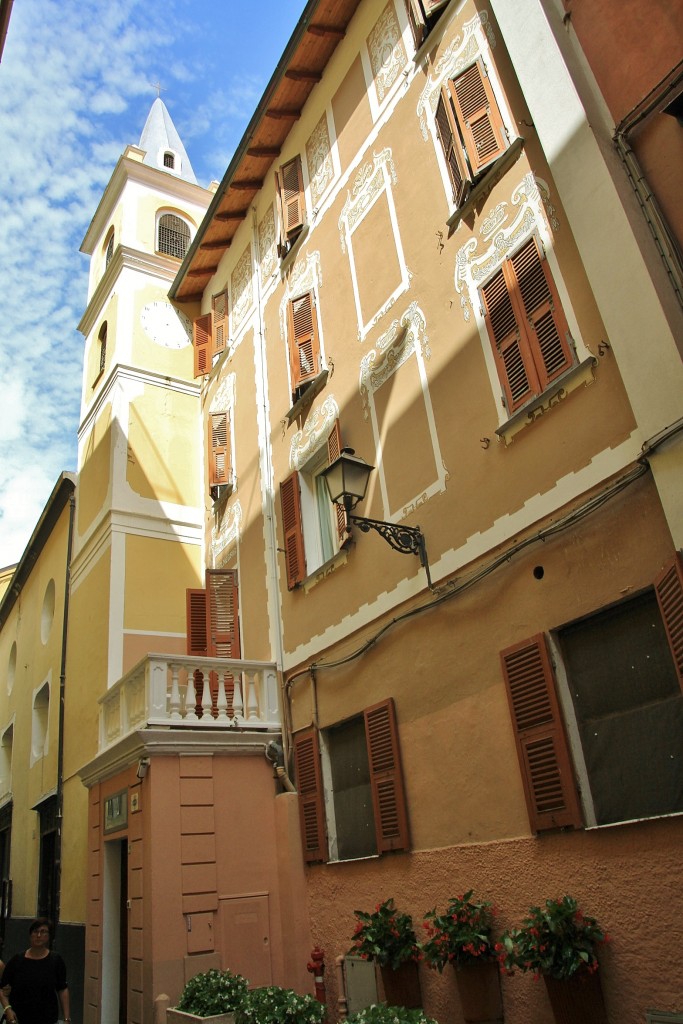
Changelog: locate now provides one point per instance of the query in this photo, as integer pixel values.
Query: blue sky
(76, 85)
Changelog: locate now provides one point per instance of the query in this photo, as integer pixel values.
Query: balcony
(167, 692)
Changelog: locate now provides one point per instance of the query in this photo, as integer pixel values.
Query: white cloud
(75, 89)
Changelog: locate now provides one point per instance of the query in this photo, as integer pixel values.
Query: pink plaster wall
(629, 877)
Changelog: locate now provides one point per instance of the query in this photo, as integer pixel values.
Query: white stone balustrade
(187, 692)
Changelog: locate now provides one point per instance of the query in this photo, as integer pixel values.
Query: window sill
(571, 379)
(491, 176)
(634, 821)
(294, 248)
(326, 569)
(311, 392)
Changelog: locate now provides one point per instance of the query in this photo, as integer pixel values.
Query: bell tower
(137, 544)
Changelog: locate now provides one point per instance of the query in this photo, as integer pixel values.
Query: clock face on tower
(166, 325)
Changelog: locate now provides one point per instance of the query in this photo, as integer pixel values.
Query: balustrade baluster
(237, 702)
(207, 700)
(252, 699)
(174, 707)
(221, 700)
(193, 677)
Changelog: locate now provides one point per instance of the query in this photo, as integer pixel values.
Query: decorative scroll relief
(227, 531)
(224, 397)
(531, 201)
(463, 50)
(370, 181)
(241, 288)
(387, 54)
(267, 244)
(319, 160)
(306, 276)
(315, 433)
(395, 346)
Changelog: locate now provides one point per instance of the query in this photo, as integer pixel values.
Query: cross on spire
(159, 88)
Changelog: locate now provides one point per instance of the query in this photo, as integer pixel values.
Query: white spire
(162, 144)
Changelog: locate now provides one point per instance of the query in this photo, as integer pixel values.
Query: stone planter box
(174, 1016)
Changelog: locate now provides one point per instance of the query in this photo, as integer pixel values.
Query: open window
(291, 203)
(469, 127)
(357, 763)
(210, 334)
(526, 325)
(423, 16)
(616, 720)
(303, 341)
(314, 529)
(219, 434)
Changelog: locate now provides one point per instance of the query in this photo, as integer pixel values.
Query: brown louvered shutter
(510, 343)
(219, 448)
(295, 558)
(531, 283)
(669, 590)
(202, 344)
(223, 633)
(542, 747)
(220, 321)
(416, 20)
(291, 189)
(447, 132)
(386, 777)
(195, 603)
(334, 447)
(478, 115)
(304, 345)
(309, 785)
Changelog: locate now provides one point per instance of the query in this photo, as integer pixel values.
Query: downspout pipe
(62, 698)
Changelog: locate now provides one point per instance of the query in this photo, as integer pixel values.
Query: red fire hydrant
(316, 965)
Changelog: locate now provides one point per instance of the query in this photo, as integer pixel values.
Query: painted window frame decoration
(384, 58)
(503, 232)
(372, 181)
(405, 339)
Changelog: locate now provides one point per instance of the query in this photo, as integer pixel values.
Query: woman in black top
(33, 988)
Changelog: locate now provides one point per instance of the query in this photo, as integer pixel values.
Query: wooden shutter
(449, 137)
(220, 321)
(202, 344)
(295, 558)
(196, 622)
(309, 785)
(291, 191)
(304, 344)
(386, 777)
(534, 290)
(478, 115)
(542, 747)
(417, 22)
(223, 632)
(334, 447)
(669, 590)
(510, 343)
(219, 449)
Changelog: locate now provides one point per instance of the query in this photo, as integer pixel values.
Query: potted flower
(211, 997)
(461, 936)
(559, 943)
(274, 1005)
(380, 1013)
(387, 937)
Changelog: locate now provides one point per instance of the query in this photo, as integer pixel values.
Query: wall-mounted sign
(116, 812)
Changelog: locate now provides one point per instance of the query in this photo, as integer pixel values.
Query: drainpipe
(60, 735)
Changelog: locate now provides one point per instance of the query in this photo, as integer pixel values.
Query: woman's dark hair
(39, 922)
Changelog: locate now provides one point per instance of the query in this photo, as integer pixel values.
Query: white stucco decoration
(314, 435)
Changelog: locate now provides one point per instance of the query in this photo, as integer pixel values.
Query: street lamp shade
(347, 479)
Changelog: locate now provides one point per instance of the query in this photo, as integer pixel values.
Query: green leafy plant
(212, 993)
(461, 935)
(274, 1005)
(380, 1013)
(555, 940)
(385, 936)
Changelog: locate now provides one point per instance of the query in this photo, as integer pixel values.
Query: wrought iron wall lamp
(347, 481)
